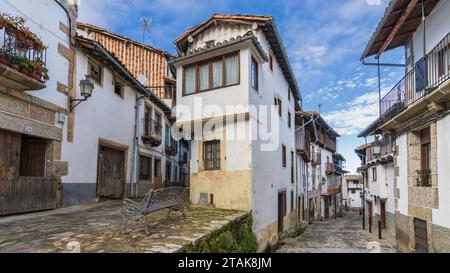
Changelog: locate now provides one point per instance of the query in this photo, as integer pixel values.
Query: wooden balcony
(326, 141)
(303, 146)
(316, 159)
(330, 169)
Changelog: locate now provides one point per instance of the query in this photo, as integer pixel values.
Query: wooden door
(421, 235)
(311, 209)
(383, 214)
(23, 185)
(9, 169)
(370, 209)
(281, 210)
(111, 173)
(300, 209)
(157, 174)
(327, 207)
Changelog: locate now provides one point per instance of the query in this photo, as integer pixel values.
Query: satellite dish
(255, 26)
(190, 39)
(142, 79)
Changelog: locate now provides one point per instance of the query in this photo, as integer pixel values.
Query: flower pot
(38, 46)
(4, 59)
(9, 29)
(23, 71)
(37, 75)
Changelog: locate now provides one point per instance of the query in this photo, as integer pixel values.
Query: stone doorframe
(421, 200)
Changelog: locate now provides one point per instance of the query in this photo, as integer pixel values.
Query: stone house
(33, 112)
(230, 69)
(352, 188)
(60, 148)
(324, 168)
(162, 161)
(377, 170)
(416, 114)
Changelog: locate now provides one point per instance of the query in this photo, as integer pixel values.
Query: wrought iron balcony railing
(20, 49)
(424, 178)
(427, 75)
(152, 133)
(171, 146)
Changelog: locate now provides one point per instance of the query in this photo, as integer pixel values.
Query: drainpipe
(69, 17)
(133, 175)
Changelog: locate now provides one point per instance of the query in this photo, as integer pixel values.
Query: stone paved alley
(98, 228)
(341, 235)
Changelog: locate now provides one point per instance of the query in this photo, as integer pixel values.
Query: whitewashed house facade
(323, 169)
(352, 188)
(415, 112)
(239, 60)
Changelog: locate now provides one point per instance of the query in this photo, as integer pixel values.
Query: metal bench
(173, 198)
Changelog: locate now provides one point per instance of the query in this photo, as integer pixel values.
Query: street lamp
(376, 147)
(86, 88)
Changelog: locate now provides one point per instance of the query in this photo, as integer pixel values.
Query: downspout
(133, 174)
(70, 21)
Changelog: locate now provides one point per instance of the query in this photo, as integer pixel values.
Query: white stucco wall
(269, 176)
(441, 216)
(437, 25)
(213, 103)
(402, 180)
(105, 115)
(47, 28)
(354, 198)
(390, 202)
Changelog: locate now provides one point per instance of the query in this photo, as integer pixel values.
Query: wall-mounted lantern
(86, 88)
(376, 147)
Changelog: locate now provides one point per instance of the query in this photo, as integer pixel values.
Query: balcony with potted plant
(22, 56)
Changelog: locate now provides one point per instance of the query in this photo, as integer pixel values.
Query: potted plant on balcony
(40, 72)
(14, 63)
(24, 65)
(2, 21)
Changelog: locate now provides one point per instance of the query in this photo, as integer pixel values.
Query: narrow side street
(341, 235)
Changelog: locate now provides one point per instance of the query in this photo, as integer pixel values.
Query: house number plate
(28, 129)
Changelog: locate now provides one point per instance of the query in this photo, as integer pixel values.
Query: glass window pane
(204, 77)
(232, 71)
(217, 73)
(254, 72)
(190, 80)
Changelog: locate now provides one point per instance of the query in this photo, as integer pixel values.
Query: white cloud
(355, 115)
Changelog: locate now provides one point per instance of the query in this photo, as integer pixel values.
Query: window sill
(209, 90)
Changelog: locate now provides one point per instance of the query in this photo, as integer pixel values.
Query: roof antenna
(320, 108)
(146, 23)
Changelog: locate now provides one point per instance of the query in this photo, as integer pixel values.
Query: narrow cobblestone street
(341, 235)
(98, 228)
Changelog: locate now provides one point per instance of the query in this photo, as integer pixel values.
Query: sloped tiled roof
(233, 41)
(140, 59)
(392, 15)
(99, 52)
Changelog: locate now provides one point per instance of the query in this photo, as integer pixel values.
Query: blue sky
(324, 40)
